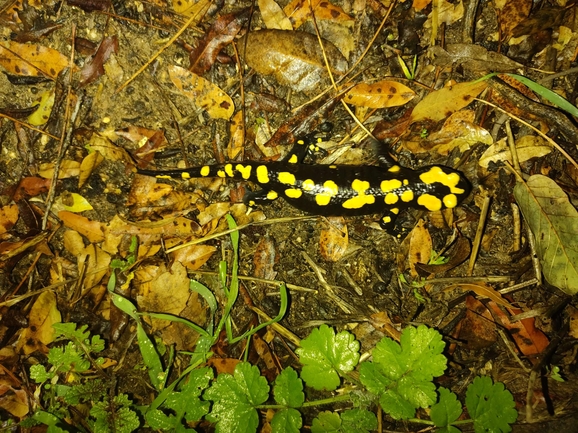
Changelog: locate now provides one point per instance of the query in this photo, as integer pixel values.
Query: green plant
(399, 379)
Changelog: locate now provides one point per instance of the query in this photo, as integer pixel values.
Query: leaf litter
(177, 113)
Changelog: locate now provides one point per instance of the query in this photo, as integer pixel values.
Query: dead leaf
(88, 164)
(273, 16)
(202, 93)
(334, 239)
(299, 11)
(420, 247)
(382, 94)
(8, 217)
(40, 333)
(31, 187)
(193, 256)
(94, 68)
(90, 229)
(31, 59)
(265, 258)
(442, 103)
(68, 169)
(527, 147)
(189, 8)
(13, 400)
(483, 290)
(477, 328)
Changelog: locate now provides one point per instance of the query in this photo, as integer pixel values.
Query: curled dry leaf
(88, 164)
(382, 94)
(334, 239)
(295, 59)
(31, 59)
(554, 223)
(527, 147)
(202, 93)
(442, 103)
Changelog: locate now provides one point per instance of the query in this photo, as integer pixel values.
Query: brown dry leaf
(31, 59)
(265, 258)
(382, 94)
(13, 400)
(147, 198)
(529, 340)
(202, 93)
(96, 268)
(90, 229)
(442, 103)
(88, 164)
(573, 316)
(8, 217)
(223, 365)
(334, 239)
(68, 169)
(237, 134)
(168, 292)
(512, 13)
(295, 59)
(420, 247)
(473, 58)
(383, 323)
(299, 11)
(419, 5)
(40, 332)
(273, 16)
(477, 328)
(110, 151)
(31, 187)
(214, 212)
(527, 147)
(194, 256)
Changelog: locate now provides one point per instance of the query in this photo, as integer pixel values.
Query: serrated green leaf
(324, 354)
(92, 390)
(288, 389)
(490, 406)
(448, 429)
(387, 355)
(447, 410)
(286, 421)
(554, 223)
(326, 422)
(186, 402)
(422, 349)
(396, 406)
(39, 374)
(419, 393)
(373, 379)
(124, 419)
(158, 420)
(358, 421)
(235, 398)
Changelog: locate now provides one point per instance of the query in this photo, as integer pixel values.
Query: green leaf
(358, 421)
(554, 223)
(186, 403)
(39, 374)
(116, 416)
(326, 422)
(235, 398)
(92, 390)
(447, 410)
(288, 389)
(490, 405)
(401, 374)
(324, 355)
(286, 421)
(547, 94)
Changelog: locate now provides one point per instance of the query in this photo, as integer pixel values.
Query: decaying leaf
(194, 256)
(512, 13)
(39, 333)
(382, 94)
(527, 147)
(299, 11)
(294, 58)
(31, 59)
(273, 16)
(68, 169)
(189, 8)
(202, 93)
(442, 103)
(8, 217)
(41, 115)
(91, 229)
(88, 164)
(473, 57)
(554, 223)
(334, 239)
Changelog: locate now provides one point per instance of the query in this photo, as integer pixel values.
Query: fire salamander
(339, 190)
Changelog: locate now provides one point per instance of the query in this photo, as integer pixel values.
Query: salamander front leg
(388, 223)
(261, 197)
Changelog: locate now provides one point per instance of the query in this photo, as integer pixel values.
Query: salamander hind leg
(389, 223)
(261, 197)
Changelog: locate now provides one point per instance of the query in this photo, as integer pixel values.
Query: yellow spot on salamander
(332, 166)
(450, 201)
(205, 170)
(394, 169)
(293, 193)
(245, 170)
(293, 159)
(286, 178)
(308, 185)
(386, 219)
(163, 176)
(405, 182)
(430, 202)
(262, 174)
(390, 185)
(361, 199)
(330, 189)
(437, 174)
(221, 173)
(407, 196)
(391, 198)
(300, 142)
(185, 175)
(229, 170)
(272, 195)
(394, 211)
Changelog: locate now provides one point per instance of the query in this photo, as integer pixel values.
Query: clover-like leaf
(325, 354)
(490, 405)
(447, 410)
(288, 389)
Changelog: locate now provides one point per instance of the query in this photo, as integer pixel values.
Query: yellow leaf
(74, 202)
(31, 59)
(88, 164)
(40, 332)
(191, 8)
(442, 103)
(379, 95)
(273, 16)
(527, 147)
(68, 169)
(42, 113)
(202, 93)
